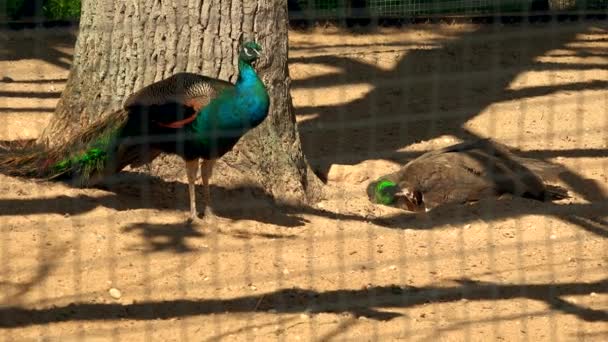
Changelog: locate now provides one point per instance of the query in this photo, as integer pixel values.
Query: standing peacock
(462, 173)
(193, 116)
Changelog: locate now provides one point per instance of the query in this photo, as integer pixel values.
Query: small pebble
(272, 311)
(285, 271)
(115, 293)
(593, 294)
(392, 267)
(304, 316)
(467, 226)
(7, 79)
(552, 237)
(363, 318)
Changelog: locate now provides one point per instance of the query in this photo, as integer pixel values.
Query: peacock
(193, 116)
(462, 173)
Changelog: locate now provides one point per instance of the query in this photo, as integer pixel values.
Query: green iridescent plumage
(86, 162)
(384, 192)
(84, 155)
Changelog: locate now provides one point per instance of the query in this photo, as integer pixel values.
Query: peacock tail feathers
(81, 157)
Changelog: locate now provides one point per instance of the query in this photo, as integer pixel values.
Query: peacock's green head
(250, 51)
(382, 191)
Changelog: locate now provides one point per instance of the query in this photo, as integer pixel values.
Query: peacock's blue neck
(247, 76)
(243, 106)
(250, 85)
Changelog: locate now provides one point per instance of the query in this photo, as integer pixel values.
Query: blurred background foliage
(47, 9)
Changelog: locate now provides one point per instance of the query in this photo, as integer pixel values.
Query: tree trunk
(123, 46)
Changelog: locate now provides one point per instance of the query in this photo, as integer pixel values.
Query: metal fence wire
(317, 9)
(121, 263)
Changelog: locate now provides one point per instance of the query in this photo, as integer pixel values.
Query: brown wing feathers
(174, 102)
(472, 170)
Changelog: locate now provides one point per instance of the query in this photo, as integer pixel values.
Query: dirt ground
(342, 269)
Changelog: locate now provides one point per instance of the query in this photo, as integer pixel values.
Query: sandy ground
(342, 269)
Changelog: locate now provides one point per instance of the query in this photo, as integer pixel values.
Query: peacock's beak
(409, 200)
(400, 196)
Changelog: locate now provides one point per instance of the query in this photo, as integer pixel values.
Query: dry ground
(343, 269)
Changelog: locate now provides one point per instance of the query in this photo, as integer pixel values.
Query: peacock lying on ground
(464, 172)
(193, 116)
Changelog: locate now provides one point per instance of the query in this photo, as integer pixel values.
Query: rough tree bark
(123, 46)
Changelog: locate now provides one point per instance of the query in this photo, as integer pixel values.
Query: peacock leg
(206, 172)
(191, 171)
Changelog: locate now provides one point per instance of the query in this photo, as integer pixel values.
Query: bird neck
(247, 75)
(251, 87)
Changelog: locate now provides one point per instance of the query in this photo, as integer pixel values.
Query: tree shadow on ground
(52, 47)
(14, 291)
(371, 303)
(130, 191)
(27, 110)
(176, 237)
(39, 44)
(587, 216)
(165, 237)
(431, 91)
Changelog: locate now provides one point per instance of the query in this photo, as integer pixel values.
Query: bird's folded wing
(175, 101)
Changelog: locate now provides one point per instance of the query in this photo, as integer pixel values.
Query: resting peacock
(193, 116)
(461, 173)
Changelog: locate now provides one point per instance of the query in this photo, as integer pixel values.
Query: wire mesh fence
(121, 263)
(341, 9)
